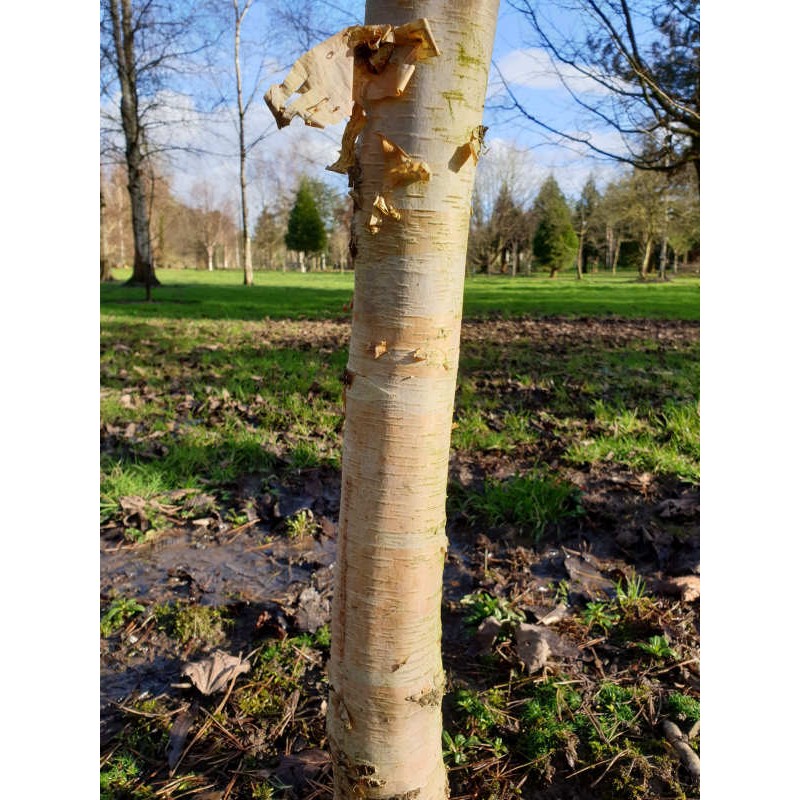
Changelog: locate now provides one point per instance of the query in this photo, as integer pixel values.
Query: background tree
(142, 43)
(305, 230)
(643, 58)
(587, 223)
(555, 244)
(510, 230)
(105, 263)
(644, 198)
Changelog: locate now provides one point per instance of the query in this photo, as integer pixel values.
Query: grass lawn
(188, 294)
(576, 420)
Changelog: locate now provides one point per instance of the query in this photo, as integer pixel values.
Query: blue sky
(275, 161)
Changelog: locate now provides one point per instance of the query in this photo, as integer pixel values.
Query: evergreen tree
(305, 231)
(555, 243)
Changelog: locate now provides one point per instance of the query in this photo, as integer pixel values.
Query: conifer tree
(305, 231)
(555, 243)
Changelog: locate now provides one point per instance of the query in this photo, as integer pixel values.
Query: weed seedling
(117, 615)
(301, 524)
(658, 647)
(455, 747)
(482, 605)
(600, 614)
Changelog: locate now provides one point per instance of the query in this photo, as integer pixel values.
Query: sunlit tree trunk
(386, 676)
(648, 248)
(246, 244)
(123, 31)
(105, 263)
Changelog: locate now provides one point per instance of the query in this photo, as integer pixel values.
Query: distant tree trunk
(579, 257)
(143, 272)
(553, 272)
(615, 259)
(662, 260)
(386, 676)
(105, 264)
(210, 258)
(248, 257)
(648, 249)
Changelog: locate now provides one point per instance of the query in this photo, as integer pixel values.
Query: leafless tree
(144, 43)
(641, 60)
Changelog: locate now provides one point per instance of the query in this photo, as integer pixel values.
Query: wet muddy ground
(275, 583)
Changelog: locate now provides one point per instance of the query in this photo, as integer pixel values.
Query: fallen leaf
(313, 610)
(213, 674)
(299, 771)
(687, 587)
(552, 616)
(686, 506)
(533, 647)
(178, 734)
(592, 584)
(487, 632)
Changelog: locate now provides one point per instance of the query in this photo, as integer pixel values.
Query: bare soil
(634, 524)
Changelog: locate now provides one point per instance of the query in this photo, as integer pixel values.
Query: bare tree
(143, 44)
(239, 15)
(641, 60)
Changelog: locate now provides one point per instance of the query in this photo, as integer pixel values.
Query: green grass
(190, 294)
(532, 503)
(197, 390)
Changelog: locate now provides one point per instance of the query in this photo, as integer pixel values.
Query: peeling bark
(412, 79)
(386, 628)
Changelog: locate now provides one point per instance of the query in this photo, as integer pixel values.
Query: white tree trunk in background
(386, 676)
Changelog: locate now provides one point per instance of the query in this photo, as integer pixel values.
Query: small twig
(231, 784)
(204, 727)
(162, 715)
(675, 666)
(234, 532)
(610, 764)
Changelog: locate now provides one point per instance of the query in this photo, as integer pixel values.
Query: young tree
(412, 174)
(586, 222)
(239, 15)
(305, 230)
(555, 243)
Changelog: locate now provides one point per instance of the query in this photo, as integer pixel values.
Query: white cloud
(533, 68)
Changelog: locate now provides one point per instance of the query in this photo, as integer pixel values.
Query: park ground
(571, 586)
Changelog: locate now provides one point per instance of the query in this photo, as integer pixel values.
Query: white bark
(386, 674)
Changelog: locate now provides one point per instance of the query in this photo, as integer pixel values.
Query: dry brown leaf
(487, 632)
(533, 647)
(687, 587)
(213, 674)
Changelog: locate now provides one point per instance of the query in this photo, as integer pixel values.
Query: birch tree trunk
(386, 676)
(246, 245)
